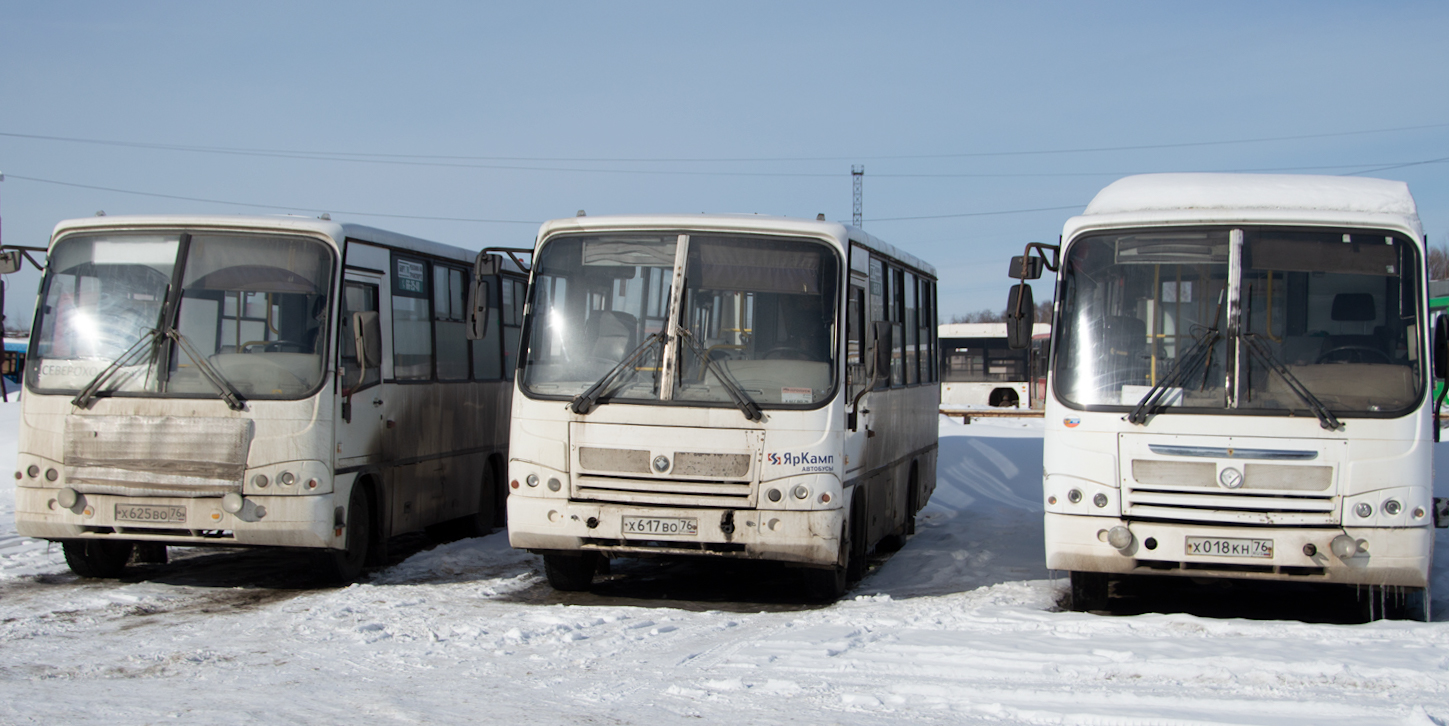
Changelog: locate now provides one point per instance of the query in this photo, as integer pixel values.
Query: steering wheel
(1353, 354)
(785, 353)
(273, 346)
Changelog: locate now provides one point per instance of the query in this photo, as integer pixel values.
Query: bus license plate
(661, 525)
(1229, 547)
(148, 513)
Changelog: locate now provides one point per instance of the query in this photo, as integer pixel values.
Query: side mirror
(367, 337)
(1441, 347)
(478, 297)
(1025, 267)
(486, 265)
(9, 261)
(880, 360)
(1020, 316)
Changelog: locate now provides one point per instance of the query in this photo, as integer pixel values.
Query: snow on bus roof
(1161, 192)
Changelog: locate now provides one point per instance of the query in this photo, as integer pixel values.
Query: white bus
(284, 381)
(1239, 385)
(979, 369)
(728, 386)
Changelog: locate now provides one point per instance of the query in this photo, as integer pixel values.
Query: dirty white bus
(1240, 386)
(268, 381)
(722, 386)
(980, 369)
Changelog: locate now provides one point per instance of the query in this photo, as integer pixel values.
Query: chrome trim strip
(1223, 452)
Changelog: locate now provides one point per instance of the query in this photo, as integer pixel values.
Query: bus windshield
(757, 314)
(1326, 318)
(254, 307)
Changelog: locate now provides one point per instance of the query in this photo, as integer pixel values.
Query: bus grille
(665, 492)
(1269, 494)
(156, 456)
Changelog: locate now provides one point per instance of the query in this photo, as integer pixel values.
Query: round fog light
(1075, 496)
(67, 497)
(1119, 537)
(554, 484)
(232, 502)
(1363, 509)
(1100, 500)
(1392, 507)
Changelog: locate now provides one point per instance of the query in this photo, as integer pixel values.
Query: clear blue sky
(688, 107)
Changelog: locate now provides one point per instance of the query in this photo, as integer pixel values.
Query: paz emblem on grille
(661, 463)
(1230, 478)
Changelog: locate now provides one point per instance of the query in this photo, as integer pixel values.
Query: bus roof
(1250, 198)
(280, 223)
(747, 223)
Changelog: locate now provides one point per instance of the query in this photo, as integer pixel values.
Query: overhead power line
(268, 206)
(380, 157)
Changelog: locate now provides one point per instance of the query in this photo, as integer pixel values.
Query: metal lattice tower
(857, 174)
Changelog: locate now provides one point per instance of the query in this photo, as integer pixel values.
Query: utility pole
(857, 174)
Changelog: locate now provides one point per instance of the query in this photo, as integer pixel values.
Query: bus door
(359, 401)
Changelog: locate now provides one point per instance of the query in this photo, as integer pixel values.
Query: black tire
(97, 558)
(571, 572)
(480, 523)
(344, 566)
(1089, 591)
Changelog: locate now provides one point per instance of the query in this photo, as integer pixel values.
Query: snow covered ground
(961, 626)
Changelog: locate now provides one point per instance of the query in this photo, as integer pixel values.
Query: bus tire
(571, 572)
(480, 523)
(1089, 591)
(345, 565)
(97, 558)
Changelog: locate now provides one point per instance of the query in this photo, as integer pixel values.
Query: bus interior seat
(1124, 335)
(610, 334)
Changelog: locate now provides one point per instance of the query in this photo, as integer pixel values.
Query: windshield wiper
(585, 402)
(737, 394)
(228, 393)
(1326, 419)
(1199, 352)
(130, 357)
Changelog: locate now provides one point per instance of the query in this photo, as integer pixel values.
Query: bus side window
(855, 373)
(513, 299)
(909, 291)
(925, 327)
(449, 323)
(412, 329)
(487, 355)
(357, 297)
(897, 317)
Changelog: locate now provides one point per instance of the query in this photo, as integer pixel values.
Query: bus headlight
(554, 484)
(1100, 500)
(1363, 509)
(1075, 496)
(801, 491)
(1392, 507)
(773, 495)
(532, 480)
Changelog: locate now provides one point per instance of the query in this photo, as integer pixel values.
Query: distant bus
(978, 368)
(272, 381)
(722, 386)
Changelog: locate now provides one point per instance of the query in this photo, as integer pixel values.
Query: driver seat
(1354, 307)
(610, 335)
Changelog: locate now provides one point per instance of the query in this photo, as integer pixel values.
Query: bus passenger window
(449, 322)
(412, 331)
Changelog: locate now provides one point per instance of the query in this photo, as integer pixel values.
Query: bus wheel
(571, 572)
(345, 565)
(97, 558)
(1089, 591)
(480, 524)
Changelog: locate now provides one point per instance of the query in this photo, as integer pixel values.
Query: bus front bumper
(284, 521)
(1390, 556)
(809, 538)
